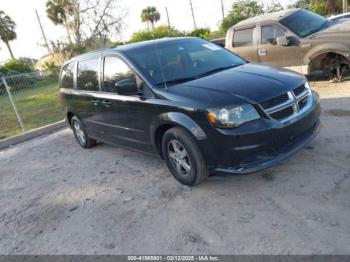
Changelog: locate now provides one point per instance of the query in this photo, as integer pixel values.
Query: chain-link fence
(29, 101)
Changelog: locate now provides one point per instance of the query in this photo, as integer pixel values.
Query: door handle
(262, 52)
(106, 103)
(95, 102)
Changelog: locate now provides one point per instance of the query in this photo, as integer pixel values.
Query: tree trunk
(68, 32)
(331, 6)
(152, 24)
(9, 48)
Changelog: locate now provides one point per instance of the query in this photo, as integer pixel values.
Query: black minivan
(202, 108)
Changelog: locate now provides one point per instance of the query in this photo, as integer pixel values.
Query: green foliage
(303, 4)
(150, 14)
(158, 32)
(7, 30)
(241, 10)
(18, 66)
(56, 11)
(319, 7)
(200, 32)
(273, 6)
(324, 7)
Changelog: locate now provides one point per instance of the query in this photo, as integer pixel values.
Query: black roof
(125, 48)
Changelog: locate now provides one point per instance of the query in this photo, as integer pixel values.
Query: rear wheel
(80, 134)
(183, 157)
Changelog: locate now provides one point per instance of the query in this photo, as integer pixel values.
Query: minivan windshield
(304, 23)
(181, 60)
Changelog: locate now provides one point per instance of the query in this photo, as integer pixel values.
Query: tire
(80, 134)
(183, 157)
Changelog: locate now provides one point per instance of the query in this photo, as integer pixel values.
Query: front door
(124, 119)
(244, 44)
(276, 55)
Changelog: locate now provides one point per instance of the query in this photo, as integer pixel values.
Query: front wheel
(80, 134)
(183, 157)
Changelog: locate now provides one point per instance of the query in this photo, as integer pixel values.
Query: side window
(67, 76)
(270, 33)
(115, 69)
(87, 78)
(243, 37)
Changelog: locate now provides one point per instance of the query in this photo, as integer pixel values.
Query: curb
(31, 134)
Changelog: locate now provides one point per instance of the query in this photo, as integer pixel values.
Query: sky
(29, 42)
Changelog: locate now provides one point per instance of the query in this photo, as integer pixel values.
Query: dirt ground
(56, 198)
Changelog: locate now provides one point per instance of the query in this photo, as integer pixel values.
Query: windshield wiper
(178, 80)
(215, 70)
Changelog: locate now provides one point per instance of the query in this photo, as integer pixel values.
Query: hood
(247, 83)
(337, 28)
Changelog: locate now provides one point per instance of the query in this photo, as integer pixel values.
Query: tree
(200, 32)
(58, 12)
(273, 6)
(89, 22)
(7, 31)
(150, 14)
(241, 10)
(303, 4)
(326, 7)
(158, 32)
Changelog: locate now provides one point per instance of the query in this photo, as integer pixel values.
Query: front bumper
(261, 144)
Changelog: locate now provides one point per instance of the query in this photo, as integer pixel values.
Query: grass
(38, 105)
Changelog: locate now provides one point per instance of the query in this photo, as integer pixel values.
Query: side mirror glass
(293, 41)
(127, 87)
(282, 40)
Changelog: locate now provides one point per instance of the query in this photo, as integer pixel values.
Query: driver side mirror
(287, 41)
(127, 87)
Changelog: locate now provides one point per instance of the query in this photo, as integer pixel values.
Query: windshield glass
(181, 60)
(304, 23)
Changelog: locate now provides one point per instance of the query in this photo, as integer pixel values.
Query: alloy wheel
(179, 157)
(79, 133)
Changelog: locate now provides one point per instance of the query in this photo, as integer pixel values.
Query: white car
(336, 18)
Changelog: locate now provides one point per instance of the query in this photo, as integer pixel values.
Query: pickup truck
(296, 39)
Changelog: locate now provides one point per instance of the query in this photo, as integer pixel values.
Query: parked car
(297, 39)
(200, 107)
(341, 17)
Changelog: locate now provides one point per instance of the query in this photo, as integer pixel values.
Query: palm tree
(58, 11)
(150, 14)
(7, 30)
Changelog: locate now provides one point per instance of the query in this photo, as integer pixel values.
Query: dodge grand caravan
(202, 108)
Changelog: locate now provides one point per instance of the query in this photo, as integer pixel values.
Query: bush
(200, 32)
(15, 66)
(158, 32)
(319, 7)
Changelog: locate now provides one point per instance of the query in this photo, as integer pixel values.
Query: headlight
(229, 117)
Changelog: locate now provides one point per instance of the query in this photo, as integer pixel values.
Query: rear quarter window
(67, 76)
(88, 73)
(243, 37)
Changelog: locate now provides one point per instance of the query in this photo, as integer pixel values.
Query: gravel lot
(57, 198)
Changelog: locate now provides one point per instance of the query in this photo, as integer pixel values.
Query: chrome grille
(281, 114)
(288, 105)
(299, 90)
(275, 101)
